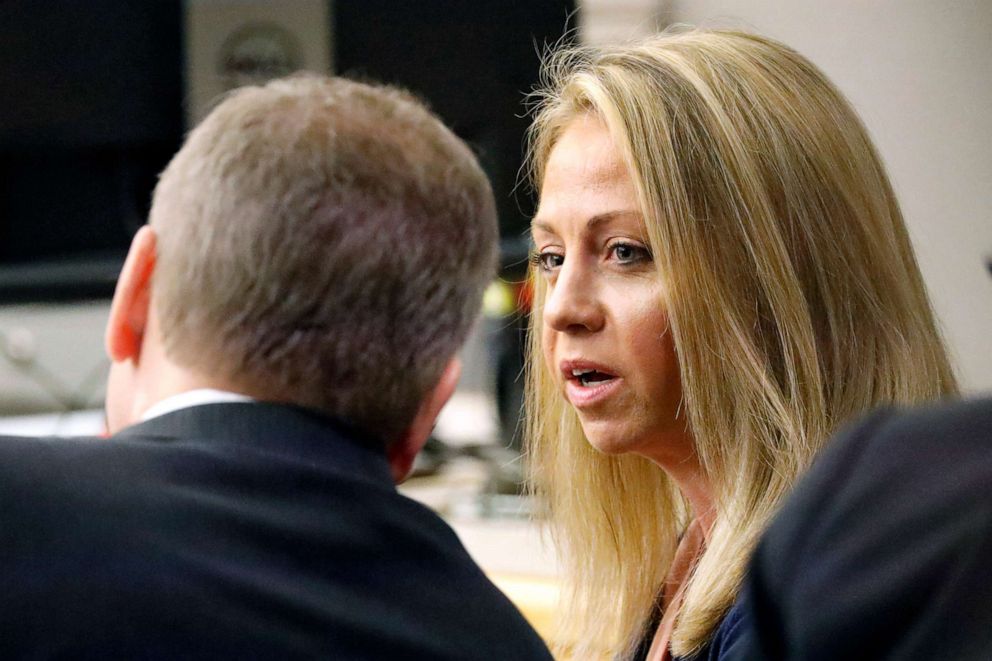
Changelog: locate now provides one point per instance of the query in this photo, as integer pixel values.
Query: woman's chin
(607, 441)
(663, 445)
(611, 449)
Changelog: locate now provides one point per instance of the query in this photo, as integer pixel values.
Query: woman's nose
(572, 303)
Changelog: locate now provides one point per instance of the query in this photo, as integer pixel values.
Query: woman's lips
(587, 383)
(586, 396)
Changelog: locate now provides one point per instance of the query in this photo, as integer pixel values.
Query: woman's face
(605, 333)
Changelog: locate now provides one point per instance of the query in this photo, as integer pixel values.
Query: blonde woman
(723, 278)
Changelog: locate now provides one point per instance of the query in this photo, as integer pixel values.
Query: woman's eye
(628, 253)
(548, 261)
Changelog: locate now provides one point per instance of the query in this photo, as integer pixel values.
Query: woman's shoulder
(722, 645)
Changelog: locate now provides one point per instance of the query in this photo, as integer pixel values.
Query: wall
(610, 21)
(917, 71)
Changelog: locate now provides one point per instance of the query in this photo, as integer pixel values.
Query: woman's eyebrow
(591, 224)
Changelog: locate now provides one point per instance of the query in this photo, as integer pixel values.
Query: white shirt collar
(193, 398)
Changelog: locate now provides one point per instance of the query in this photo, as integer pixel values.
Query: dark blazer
(234, 531)
(725, 639)
(719, 647)
(885, 549)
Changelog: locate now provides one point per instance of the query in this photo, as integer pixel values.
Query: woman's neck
(692, 481)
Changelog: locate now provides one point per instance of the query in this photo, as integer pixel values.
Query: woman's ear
(132, 297)
(403, 451)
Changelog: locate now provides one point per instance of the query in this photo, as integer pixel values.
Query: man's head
(320, 242)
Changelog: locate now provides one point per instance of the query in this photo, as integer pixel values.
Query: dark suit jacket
(885, 549)
(234, 531)
(719, 647)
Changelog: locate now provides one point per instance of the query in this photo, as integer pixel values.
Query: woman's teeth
(590, 377)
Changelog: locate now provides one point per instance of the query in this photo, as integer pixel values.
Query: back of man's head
(325, 243)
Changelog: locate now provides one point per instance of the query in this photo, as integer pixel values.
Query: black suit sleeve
(885, 549)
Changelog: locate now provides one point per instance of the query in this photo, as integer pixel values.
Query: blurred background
(98, 95)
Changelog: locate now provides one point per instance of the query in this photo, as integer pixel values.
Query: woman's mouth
(588, 378)
(587, 384)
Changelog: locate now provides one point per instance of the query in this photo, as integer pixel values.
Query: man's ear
(132, 297)
(403, 451)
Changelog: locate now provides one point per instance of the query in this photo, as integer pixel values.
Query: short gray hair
(326, 243)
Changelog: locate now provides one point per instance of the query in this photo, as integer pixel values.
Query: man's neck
(158, 386)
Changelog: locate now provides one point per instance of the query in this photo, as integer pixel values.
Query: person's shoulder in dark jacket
(240, 542)
(883, 551)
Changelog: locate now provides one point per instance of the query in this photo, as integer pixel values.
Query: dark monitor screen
(92, 111)
(94, 108)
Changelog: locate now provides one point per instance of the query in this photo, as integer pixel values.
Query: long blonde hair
(794, 297)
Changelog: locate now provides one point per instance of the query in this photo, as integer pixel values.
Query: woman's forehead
(585, 149)
(585, 173)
